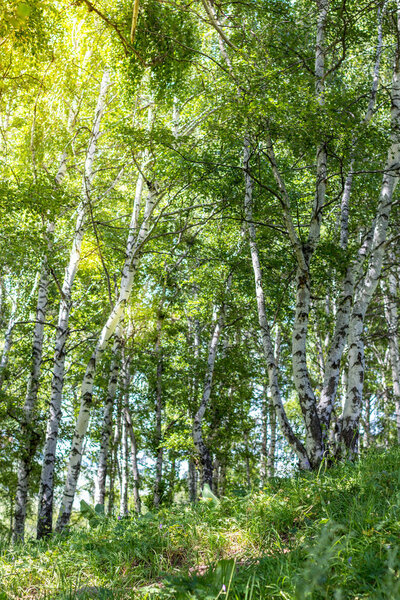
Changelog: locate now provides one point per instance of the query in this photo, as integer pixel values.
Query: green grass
(335, 535)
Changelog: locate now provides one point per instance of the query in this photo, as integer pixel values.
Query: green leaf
(23, 10)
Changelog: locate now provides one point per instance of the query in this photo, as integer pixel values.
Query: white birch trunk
(106, 428)
(8, 340)
(364, 294)
(264, 432)
(135, 466)
(133, 252)
(45, 512)
(31, 437)
(123, 497)
(157, 495)
(335, 352)
(126, 381)
(303, 253)
(202, 450)
(331, 378)
(390, 304)
(114, 457)
(197, 431)
(268, 349)
(272, 439)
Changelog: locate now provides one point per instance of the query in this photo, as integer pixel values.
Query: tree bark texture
(106, 428)
(133, 252)
(45, 512)
(30, 437)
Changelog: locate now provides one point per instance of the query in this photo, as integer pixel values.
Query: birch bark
(133, 253)
(365, 291)
(123, 496)
(157, 495)
(114, 457)
(135, 466)
(30, 436)
(198, 439)
(45, 512)
(106, 428)
(264, 432)
(390, 304)
(126, 381)
(267, 344)
(8, 340)
(353, 271)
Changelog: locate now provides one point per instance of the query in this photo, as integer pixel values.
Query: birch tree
(133, 251)
(45, 512)
(389, 288)
(198, 437)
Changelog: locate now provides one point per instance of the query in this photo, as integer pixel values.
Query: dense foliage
(199, 278)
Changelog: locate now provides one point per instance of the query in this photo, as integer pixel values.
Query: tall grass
(334, 535)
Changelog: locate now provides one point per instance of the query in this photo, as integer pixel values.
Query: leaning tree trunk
(45, 512)
(267, 345)
(133, 252)
(353, 271)
(366, 289)
(30, 437)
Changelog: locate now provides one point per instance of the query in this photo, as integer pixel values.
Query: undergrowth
(332, 535)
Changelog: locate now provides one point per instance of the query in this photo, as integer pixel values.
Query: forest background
(199, 248)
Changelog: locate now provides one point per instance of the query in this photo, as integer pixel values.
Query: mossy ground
(334, 535)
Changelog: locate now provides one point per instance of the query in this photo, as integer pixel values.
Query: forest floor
(335, 535)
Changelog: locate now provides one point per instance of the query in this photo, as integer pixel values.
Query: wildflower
(160, 525)
(223, 587)
(349, 560)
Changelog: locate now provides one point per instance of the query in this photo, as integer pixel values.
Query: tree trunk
(135, 466)
(390, 304)
(272, 439)
(216, 467)
(366, 289)
(192, 488)
(157, 495)
(114, 458)
(247, 459)
(134, 249)
(202, 450)
(30, 437)
(8, 340)
(123, 510)
(123, 502)
(264, 433)
(45, 511)
(287, 431)
(106, 428)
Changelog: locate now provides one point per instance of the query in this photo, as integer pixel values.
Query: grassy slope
(333, 536)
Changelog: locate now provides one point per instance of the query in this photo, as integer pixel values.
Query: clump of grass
(331, 535)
